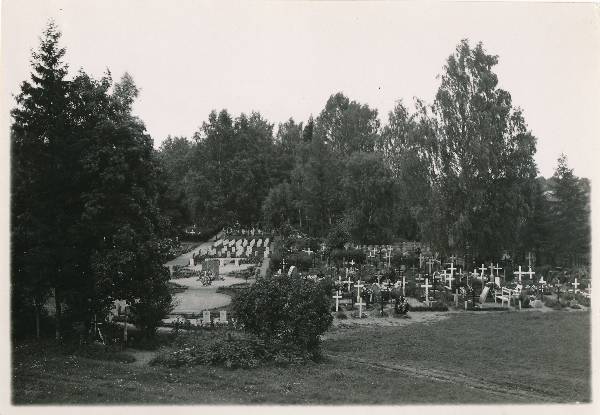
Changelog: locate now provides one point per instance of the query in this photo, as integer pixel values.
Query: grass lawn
(516, 357)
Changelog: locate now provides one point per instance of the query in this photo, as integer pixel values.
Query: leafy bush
(220, 350)
(286, 312)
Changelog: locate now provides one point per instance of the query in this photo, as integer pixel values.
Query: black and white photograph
(369, 205)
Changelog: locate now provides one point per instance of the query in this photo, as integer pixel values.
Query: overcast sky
(285, 59)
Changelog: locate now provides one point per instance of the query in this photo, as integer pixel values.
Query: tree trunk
(57, 314)
(37, 323)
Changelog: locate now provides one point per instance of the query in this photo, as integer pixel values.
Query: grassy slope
(548, 353)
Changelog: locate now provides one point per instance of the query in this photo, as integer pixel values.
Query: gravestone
(223, 316)
(206, 318)
(484, 294)
(211, 266)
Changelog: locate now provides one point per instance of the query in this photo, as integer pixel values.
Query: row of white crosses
(521, 273)
(387, 256)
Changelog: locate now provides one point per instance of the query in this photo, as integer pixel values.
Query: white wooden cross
(352, 263)
(359, 302)
(452, 268)
(530, 273)
(388, 256)
(308, 251)
(497, 268)
(520, 273)
(430, 263)
(482, 269)
(575, 284)
(403, 286)
(337, 297)
(349, 282)
(449, 278)
(542, 283)
(427, 287)
(372, 253)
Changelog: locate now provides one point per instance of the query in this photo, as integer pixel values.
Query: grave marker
(530, 273)
(482, 269)
(349, 282)
(360, 304)
(337, 297)
(576, 285)
(497, 268)
(223, 316)
(430, 264)
(388, 256)
(403, 286)
(206, 318)
(452, 268)
(449, 278)
(520, 273)
(427, 287)
(484, 294)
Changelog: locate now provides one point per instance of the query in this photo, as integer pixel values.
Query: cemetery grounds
(456, 357)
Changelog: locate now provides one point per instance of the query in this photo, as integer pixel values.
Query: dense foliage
(287, 312)
(85, 222)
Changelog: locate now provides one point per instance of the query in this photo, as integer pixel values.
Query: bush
(219, 350)
(233, 351)
(286, 312)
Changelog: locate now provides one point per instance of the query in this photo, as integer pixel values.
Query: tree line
(458, 174)
(94, 205)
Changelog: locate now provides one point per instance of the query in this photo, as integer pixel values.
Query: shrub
(286, 311)
(228, 351)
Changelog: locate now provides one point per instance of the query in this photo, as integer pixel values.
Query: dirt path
(504, 390)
